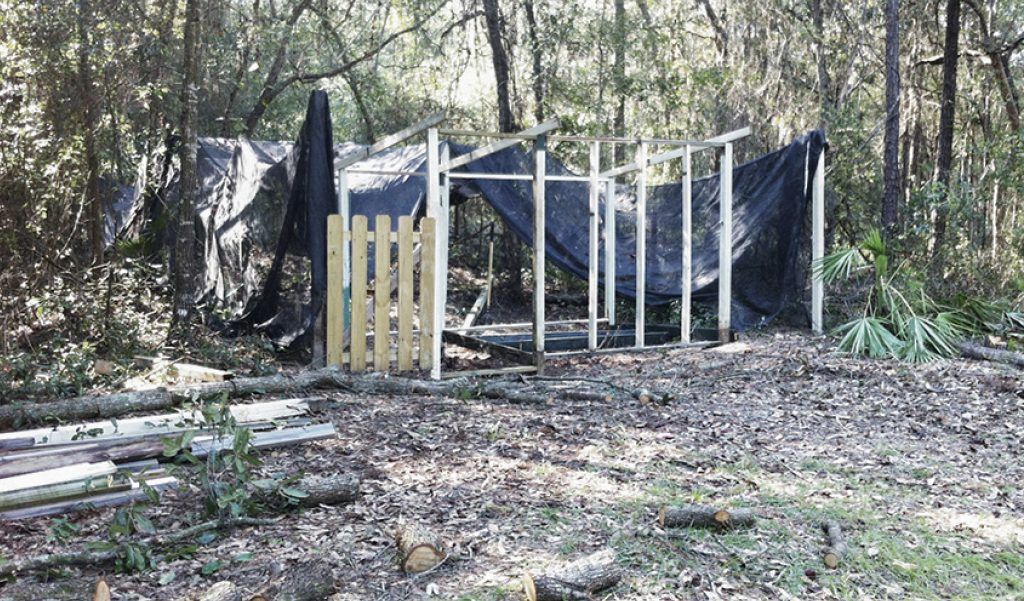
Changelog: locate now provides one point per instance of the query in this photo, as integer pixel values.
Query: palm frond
(840, 265)
(926, 339)
(869, 336)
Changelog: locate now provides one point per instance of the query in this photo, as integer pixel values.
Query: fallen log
(575, 581)
(704, 516)
(419, 549)
(984, 353)
(114, 405)
(99, 407)
(319, 490)
(836, 550)
(305, 581)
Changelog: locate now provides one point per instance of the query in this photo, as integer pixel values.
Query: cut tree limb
(419, 549)
(574, 581)
(320, 490)
(984, 353)
(836, 550)
(704, 516)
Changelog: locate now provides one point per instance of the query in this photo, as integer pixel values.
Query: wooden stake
(335, 263)
(357, 347)
(427, 256)
(382, 293)
(405, 292)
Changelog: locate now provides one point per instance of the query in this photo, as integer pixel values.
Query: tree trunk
(947, 117)
(824, 81)
(619, 79)
(184, 279)
(94, 199)
(891, 157)
(538, 69)
(499, 58)
(369, 133)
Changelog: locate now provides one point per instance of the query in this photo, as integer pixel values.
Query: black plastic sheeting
(262, 208)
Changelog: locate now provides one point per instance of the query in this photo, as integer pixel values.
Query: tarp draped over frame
(262, 211)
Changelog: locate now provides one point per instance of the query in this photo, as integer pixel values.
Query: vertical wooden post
(428, 248)
(440, 183)
(592, 258)
(641, 244)
(382, 293)
(346, 251)
(405, 290)
(687, 276)
(539, 248)
(609, 251)
(434, 209)
(357, 347)
(490, 272)
(725, 246)
(818, 245)
(335, 324)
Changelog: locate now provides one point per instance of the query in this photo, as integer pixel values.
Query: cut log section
(419, 549)
(575, 581)
(833, 554)
(704, 516)
(221, 591)
(319, 490)
(305, 581)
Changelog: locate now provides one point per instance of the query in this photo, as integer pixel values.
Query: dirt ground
(921, 465)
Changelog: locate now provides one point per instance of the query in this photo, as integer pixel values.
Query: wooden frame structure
(441, 170)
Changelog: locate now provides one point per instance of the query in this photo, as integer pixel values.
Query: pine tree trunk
(947, 116)
(891, 166)
(619, 78)
(184, 284)
(499, 58)
(92, 161)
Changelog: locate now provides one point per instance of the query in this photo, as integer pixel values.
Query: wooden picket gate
(353, 245)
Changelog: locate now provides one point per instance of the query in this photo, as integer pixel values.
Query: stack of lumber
(49, 471)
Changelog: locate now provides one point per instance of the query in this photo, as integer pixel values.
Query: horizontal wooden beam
(393, 139)
(493, 147)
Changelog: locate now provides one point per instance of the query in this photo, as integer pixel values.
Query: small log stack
(575, 581)
(704, 516)
(419, 549)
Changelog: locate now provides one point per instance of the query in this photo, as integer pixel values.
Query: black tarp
(262, 210)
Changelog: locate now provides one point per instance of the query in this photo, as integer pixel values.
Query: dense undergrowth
(66, 333)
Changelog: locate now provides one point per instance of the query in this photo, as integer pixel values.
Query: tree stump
(704, 516)
(419, 549)
(575, 581)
